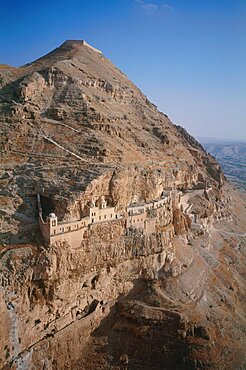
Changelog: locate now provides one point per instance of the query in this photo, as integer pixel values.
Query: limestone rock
(76, 131)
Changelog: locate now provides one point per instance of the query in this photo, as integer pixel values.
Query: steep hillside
(160, 236)
(72, 116)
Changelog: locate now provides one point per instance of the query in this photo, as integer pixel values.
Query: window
(105, 216)
(100, 217)
(54, 231)
(92, 220)
(111, 216)
(69, 228)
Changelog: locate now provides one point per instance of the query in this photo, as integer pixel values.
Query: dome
(52, 215)
(92, 204)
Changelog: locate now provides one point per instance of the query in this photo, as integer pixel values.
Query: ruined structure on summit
(79, 43)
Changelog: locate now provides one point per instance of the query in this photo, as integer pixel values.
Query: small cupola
(52, 219)
(52, 215)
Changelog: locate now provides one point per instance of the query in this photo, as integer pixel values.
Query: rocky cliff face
(75, 128)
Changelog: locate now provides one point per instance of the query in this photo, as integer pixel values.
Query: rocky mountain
(158, 260)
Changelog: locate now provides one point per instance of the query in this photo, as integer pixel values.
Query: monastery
(139, 216)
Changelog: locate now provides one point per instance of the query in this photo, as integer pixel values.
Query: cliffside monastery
(140, 216)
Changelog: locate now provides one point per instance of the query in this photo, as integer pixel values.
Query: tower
(52, 220)
(103, 202)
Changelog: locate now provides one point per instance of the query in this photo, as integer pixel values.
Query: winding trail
(73, 154)
(230, 232)
(54, 122)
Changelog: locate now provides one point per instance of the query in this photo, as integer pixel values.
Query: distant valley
(232, 157)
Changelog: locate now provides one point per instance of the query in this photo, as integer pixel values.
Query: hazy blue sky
(187, 56)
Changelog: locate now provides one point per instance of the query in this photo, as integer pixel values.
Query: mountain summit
(119, 231)
(80, 100)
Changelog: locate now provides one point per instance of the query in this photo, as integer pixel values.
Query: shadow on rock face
(141, 334)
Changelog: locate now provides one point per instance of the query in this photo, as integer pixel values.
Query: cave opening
(47, 205)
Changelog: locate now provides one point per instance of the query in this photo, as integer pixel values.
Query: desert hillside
(122, 245)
